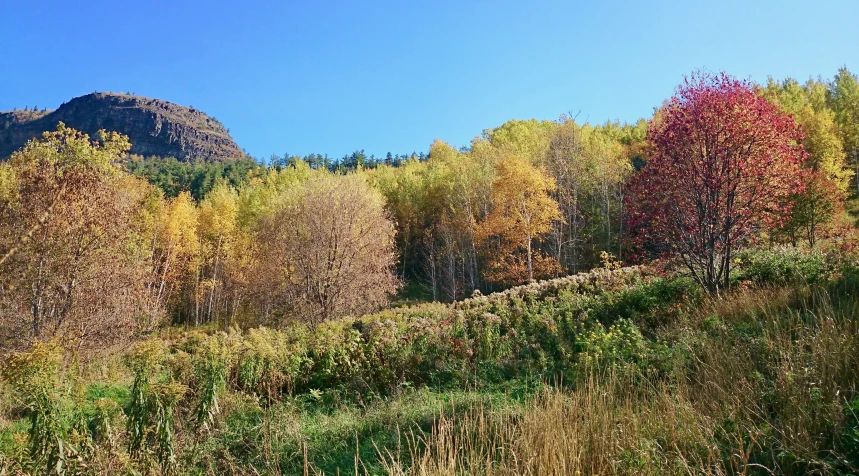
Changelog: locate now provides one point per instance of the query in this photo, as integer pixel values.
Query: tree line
(198, 177)
(96, 246)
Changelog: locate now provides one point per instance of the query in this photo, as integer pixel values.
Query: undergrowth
(612, 372)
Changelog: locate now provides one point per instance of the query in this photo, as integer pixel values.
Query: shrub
(35, 376)
(650, 305)
(151, 418)
(270, 362)
(762, 378)
(781, 265)
(532, 331)
(619, 345)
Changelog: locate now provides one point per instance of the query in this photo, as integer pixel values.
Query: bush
(532, 331)
(781, 265)
(762, 378)
(653, 305)
(35, 376)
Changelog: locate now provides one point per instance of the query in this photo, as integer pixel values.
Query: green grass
(529, 382)
(8, 432)
(334, 436)
(121, 394)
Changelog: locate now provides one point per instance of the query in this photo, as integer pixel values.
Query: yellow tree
(176, 246)
(405, 192)
(609, 166)
(807, 104)
(258, 199)
(825, 150)
(843, 98)
(523, 212)
(72, 244)
(256, 203)
(529, 139)
(461, 183)
(825, 173)
(217, 221)
(8, 185)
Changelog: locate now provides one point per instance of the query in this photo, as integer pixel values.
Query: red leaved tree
(723, 163)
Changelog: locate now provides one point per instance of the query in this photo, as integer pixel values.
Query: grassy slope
(764, 380)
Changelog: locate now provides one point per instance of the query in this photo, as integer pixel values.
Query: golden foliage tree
(825, 174)
(175, 250)
(523, 212)
(73, 243)
(217, 227)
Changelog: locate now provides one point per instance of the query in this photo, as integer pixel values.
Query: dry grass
(756, 384)
(600, 429)
(764, 394)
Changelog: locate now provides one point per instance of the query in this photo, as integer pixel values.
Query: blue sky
(332, 77)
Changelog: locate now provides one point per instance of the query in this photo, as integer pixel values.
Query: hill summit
(154, 126)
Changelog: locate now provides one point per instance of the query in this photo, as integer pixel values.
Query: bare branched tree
(328, 251)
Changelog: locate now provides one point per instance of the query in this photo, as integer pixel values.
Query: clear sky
(332, 77)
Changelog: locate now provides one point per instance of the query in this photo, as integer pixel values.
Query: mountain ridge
(155, 127)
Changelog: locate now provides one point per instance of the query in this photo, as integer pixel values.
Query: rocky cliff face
(154, 127)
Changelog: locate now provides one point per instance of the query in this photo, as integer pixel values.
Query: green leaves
(151, 414)
(36, 379)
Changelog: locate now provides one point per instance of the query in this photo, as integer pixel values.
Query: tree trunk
(214, 281)
(727, 270)
(163, 279)
(530, 263)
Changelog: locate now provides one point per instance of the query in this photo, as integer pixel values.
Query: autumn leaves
(72, 232)
(96, 256)
(724, 165)
(93, 255)
(527, 200)
(523, 213)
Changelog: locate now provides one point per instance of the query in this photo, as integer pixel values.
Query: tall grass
(601, 428)
(769, 386)
(604, 373)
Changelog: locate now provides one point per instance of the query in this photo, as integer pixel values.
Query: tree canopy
(721, 164)
(724, 163)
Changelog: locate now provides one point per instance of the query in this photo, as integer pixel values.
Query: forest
(670, 296)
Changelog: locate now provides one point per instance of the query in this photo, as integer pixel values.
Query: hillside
(155, 127)
(436, 317)
(669, 381)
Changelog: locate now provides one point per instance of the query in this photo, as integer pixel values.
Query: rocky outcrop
(154, 127)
